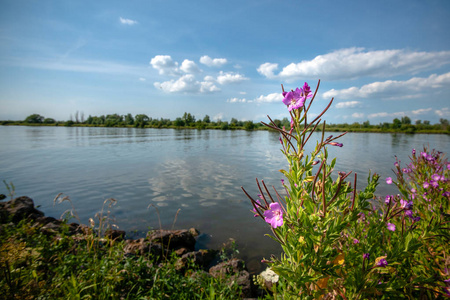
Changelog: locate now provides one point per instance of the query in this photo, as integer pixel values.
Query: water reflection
(199, 172)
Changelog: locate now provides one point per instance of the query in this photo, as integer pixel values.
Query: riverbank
(46, 257)
(256, 126)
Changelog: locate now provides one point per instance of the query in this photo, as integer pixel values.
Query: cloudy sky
(378, 59)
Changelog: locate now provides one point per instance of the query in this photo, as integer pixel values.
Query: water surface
(197, 173)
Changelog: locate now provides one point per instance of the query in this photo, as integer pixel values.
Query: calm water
(197, 172)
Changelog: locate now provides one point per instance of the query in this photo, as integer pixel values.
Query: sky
(379, 60)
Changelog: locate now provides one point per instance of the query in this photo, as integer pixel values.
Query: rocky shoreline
(160, 243)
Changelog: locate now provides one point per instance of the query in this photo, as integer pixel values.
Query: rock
(18, 209)
(142, 247)
(201, 258)
(234, 270)
(173, 239)
(115, 234)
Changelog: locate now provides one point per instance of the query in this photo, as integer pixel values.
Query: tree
(129, 120)
(406, 120)
(49, 121)
(249, 125)
(396, 123)
(178, 122)
(188, 119)
(206, 119)
(34, 118)
(426, 122)
(418, 122)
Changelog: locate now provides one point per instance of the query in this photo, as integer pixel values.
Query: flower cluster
(340, 242)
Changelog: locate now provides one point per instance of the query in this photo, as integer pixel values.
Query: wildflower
(434, 184)
(389, 180)
(409, 213)
(436, 177)
(382, 263)
(414, 151)
(306, 90)
(391, 226)
(335, 144)
(282, 181)
(294, 99)
(426, 185)
(355, 241)
(388, 198)
(274, 215)
(366, 255)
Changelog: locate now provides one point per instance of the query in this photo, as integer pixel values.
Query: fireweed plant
(340, 243)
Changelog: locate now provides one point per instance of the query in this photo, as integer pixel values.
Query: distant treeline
(189, 121)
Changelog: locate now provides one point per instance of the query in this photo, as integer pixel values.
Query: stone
(173, 239)
(201, 258)
(18, 209)
(234, 270)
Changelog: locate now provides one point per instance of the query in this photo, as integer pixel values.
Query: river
(191, 178)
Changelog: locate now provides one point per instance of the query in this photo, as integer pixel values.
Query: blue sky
(379, 59)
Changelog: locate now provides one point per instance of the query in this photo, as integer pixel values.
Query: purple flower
(355, 241)
(294, 99)
(366, 255)
(389, 180)
(434, 184)
(426, 185)
(274, 215)
(306, 89)
(436, 177)
(416, 219)
(382, 263)
(414, 151)
(282, 181)
(335, 144)
(388, 198)
(409, 213)
(391, 226)
(448, 166)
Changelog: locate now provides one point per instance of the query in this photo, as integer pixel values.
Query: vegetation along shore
(189, 121)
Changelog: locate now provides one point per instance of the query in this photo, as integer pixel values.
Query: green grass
(34, 265)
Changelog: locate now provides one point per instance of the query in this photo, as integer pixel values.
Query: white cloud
(127, 21)
(187, 84)
(210, 62)
(208, 87)
(348, 104)
(268, 69)
(421, 111)
(229, 77)
(274, 97)
(358, 115)
(444, 112)
(142, 79)
(188, 66)
(386, 114)
(165, 65)
(393, 89)
(243, 93)
(237, 100)
(355, 62)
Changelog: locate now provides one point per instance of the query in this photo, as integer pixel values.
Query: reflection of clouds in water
(204, 180)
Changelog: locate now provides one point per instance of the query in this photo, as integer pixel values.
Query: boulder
(18, 209)
(201, 258)
(234, 270)
(173, 239)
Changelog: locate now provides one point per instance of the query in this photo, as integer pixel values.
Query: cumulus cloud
(351, 63)
(165, 65)
(230, 77)
(393, 89)
(188, 66)
(127, 21)
(187, 84)
(210, 62)
(348, 104)
(268, 69)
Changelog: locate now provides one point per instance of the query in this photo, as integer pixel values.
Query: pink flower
(391, 226)
(274, 215)
(382, 263)
(389, 180)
